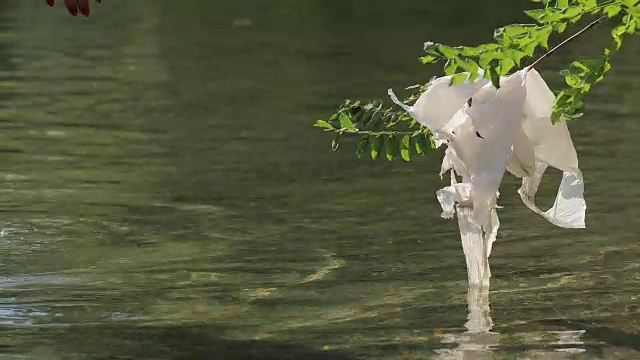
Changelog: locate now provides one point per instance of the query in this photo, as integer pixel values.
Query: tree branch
(548, 53)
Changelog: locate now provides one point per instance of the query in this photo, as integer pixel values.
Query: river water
(164, 196)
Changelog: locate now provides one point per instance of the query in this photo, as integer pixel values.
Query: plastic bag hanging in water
(480, 149)
(479, 138)
(495, 130)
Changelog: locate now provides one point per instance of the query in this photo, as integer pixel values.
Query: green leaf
(448, 51)
(577, 102)
(392, 120)
(469, 65)
(490, 56)
(432, 142)
(536, 14)
(505, 66)
(451, 66)
(617, 33)
(458, 78)
(530, 47)
(426, 142)
(572, 116)
(390, 147)
(429, 59)
(612, 10)
(573, 14)
(498, 34)
(579, 68)
(629, 3)
(363, 145)
(366, 118)
(562, 105)
(543, 36)
(405, 148)
(431, 48)
(467, 51)
(488, 47)
(345, 123)
(323, 125)
(556, 116)
(494, 76)
(521, 40)
(590, 5)
(506, 35)
(571, 79)
(629, 24)
(376, 147)
(555, 14)
(515, 55)
(473, 76)
(418, 145)
(335, 144)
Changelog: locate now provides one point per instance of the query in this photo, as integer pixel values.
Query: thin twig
(371, 133)
(548, 53)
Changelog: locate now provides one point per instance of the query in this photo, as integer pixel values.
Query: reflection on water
(163, 195)
(479, 342)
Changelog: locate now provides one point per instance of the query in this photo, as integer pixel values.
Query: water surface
(164, 196)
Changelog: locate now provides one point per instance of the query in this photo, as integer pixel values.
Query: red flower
(75, 6)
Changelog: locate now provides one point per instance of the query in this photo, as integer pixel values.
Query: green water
(164, 196)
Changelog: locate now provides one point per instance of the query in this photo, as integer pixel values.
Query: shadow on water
(7, 67)
(158, 342)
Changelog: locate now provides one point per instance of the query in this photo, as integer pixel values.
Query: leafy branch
(396, 132)
(382, 130)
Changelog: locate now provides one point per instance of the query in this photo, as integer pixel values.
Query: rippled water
(163, 195)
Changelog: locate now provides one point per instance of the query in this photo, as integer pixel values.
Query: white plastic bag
(487, 132)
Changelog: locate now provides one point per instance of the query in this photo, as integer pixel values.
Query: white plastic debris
(552, 146)
(489, 131)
